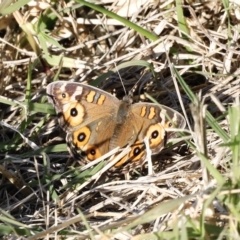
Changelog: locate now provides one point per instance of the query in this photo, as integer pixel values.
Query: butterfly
(97, 122)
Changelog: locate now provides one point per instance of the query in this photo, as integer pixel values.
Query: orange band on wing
(90, 96)
(152, 113)
(143, 111)
(101, 99)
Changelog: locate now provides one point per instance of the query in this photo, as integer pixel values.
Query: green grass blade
(127, 23)
(181, 19)
(210, 120)
(6, 8)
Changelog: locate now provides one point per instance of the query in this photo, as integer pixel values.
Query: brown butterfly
(97, 122)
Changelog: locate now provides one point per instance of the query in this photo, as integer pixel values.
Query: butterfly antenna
(135, 86)
(125, 91)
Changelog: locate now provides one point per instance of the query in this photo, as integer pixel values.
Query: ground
(185, 55)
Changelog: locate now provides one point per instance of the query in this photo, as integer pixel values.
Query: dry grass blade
(198, 110)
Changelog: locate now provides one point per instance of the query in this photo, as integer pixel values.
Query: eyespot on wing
(81, 137)
(73, 113)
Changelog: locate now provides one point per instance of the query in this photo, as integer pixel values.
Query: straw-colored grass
(186, 57)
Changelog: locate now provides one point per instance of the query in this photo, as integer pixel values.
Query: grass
(186, 57)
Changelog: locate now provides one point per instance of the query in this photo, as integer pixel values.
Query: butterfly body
(97, 122)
